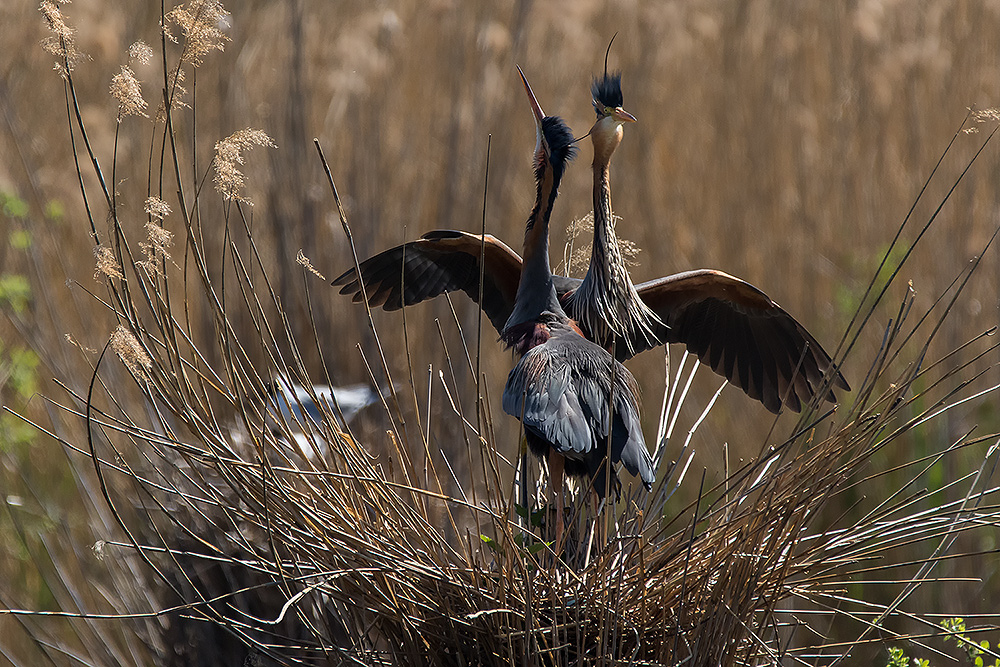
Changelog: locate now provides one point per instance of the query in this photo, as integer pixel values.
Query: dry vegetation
(782, 141)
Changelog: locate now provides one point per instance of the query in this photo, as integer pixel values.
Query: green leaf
(15, 291)
(896, 658)
(23, 372)
(536, 547)
(954, 625)
(20, 239)
(491, 543)
(536, 516)
(13, 206)
(54, 210)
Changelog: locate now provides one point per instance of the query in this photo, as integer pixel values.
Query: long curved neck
(536, 232)
(606, 303)
(605, 246)
(536, 292)
(605, 252)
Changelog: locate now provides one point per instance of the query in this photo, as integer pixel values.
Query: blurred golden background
(781, 141)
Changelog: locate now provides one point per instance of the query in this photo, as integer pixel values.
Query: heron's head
(607, 132)
(557, 143)
(553, 138)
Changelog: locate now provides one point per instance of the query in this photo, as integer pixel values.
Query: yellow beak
(620, 114)
(536, 109)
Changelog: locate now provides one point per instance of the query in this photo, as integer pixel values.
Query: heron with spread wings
(730, 325)
(579, 406)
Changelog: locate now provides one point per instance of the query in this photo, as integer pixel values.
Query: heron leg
(556, 465)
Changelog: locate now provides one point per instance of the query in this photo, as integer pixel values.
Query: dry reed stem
(362, 555)
(374, 550)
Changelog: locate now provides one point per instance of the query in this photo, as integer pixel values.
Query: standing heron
(579, 406)
(730, 325)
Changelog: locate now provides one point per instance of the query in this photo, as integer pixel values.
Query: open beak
(619, 114)
(536, 109)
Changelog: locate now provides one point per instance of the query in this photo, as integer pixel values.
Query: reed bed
(243, 536)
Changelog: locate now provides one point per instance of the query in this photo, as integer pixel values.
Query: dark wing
(440, 261)
(734, 328)
(540, 392)
(560, 390)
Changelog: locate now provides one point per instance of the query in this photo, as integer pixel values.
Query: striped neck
(606, 304)
(536, 291)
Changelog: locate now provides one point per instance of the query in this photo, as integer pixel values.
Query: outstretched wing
(734, 328)
(731, 326)
(440, 261)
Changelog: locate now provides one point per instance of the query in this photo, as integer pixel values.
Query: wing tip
(343, 278)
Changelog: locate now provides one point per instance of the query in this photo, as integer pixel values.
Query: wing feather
(560, 391)
(440, 261)
(729, 324)
(742, 335)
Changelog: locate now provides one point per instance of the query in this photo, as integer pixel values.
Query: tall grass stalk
(223, 535)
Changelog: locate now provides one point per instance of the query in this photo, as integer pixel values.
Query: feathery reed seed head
(140, 52)
(62, 40)
(980, 116)
(157, 241)
(229, 154)
(202, 22)
(107, 265)
(177, 93)
(126, 89)
(156, 208)
(580, 258)
(304, 261)
(130, 351)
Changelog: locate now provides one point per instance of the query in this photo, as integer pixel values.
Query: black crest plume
(560, 140)
(607, 89)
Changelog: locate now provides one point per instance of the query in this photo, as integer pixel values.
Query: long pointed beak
(536, 109)
(623, 116)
